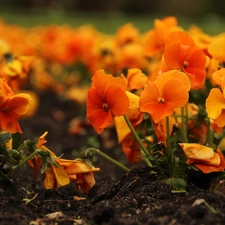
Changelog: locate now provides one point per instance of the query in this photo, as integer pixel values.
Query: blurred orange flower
(217, 51)
(11, 108)
(219, 78)
(203, 157)
(16, 70)
(154, 39)
(126, 34)
(136, 79)
(161, 97)
(106, 99)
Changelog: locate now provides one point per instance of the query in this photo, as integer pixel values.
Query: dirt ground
(117, 198)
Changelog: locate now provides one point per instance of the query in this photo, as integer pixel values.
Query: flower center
(186, 64)
(221, 65)
(105, 107)
(161, 100)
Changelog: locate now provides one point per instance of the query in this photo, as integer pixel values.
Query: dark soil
(117, 198)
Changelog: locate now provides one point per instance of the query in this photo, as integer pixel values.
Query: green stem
(23, 162)
(108, 158)
(136, 136)
(210, 133)
(168, 140)
(184, 125)
(170, 155)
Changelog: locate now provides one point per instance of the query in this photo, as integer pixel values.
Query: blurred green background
(107, 16)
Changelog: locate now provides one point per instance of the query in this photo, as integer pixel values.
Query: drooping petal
(215, 103)
(214, 161)
(49, 179)
(117, 100)
(197, 151)
(76, 166)
(209, 168)
(61, 176)
(85, 182)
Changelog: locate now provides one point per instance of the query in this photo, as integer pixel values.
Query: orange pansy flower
(161, 97)
(215, 106)
(106, 99)
(181, 53)
(203, 157)
(127, 59)
(11, 108)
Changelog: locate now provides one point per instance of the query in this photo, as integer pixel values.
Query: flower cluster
(169, 111)
(163, 91)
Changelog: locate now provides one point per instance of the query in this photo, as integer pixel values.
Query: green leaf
(176, 183)
(46, 160)
(89, 162)
(5, 137)
(4, 178)
(16, 140)
(14, 154)
(5, 154)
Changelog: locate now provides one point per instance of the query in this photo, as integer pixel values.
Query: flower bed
(151, 104)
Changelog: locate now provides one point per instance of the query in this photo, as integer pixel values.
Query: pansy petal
(117, 100)
(220, 120)
(102, 81)
(61, 176)
(197, 151)
(172, 74)
(174, 56)
(209, 169)
(215, 103)
(100, 120)
(175, 93)
(19, 103)
(93, 102)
